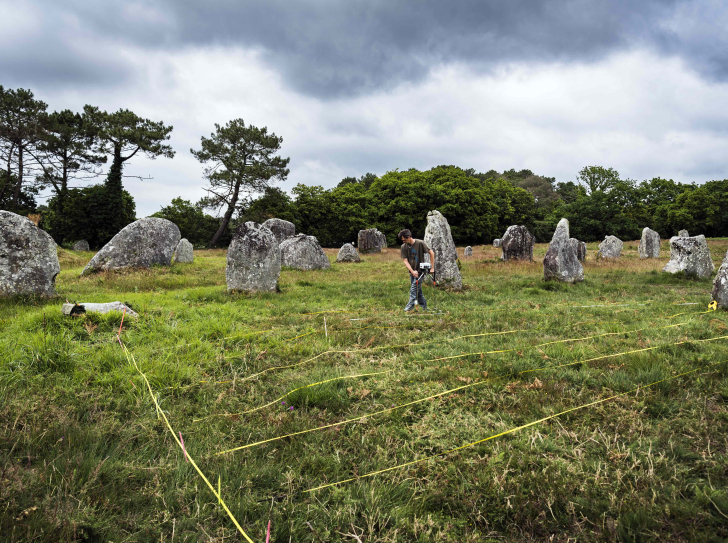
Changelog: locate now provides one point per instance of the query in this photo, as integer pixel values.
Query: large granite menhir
(610, 248)
(303, 252)
(281, 229)
(517, 243)
(28, 257)
(439, 238)
(691, 256)
(371, 240)
(649, 244)
(720, 285)
(253, 259)
(141, 244)
(348, 253)
(561, 262)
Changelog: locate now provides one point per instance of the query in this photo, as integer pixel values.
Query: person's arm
(432, 261)
(407, 265)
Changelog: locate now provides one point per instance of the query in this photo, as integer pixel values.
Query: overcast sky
(356, 86)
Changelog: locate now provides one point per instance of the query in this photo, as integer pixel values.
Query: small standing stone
(517, 243)
(561, 263)
(720, 284)
(690, 255)
(611, 247)
(253, 259)
(371, 240)
(439, 238)
(303, 252)
(348, 253)
(468, 251)
(184, 253)
(28, 257)
(497, 243)
(580, 248)
(649, 244)
(683, 234)
(81, 246)
(281, 229)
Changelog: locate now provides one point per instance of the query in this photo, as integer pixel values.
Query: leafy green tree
(598, 178)
(569, 192)
(242, 160)
(194, 224)
(273, 203)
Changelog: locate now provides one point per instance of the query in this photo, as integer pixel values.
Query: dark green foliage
(192, 221)
(273, 203)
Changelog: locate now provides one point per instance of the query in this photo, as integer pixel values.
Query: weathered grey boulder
(253, 259)
(720, 285)
(690, 255)
(348, 253)
(81, 246)
(468, 251)
(28, 257)
(184, 252)
(683, 234)
(371, 240)
(561, 262)
(517, 243)
(73, 310)
(580, 248)
(303, 252)
(281, 229)
(439, 238)
(649, 244)
(497, 242)
(141, 244)
(610, 248)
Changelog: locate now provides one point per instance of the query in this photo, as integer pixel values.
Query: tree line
(67, 151)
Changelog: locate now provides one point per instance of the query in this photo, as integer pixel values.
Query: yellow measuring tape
(510, 431)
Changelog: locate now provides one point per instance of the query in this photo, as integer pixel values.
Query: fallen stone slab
(74, 310)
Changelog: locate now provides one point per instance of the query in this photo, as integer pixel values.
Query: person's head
(406, 236)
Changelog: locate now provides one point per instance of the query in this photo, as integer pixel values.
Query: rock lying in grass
(497, 242)
(683, 234)
(691, 256)
(253, 259)
(561, 262)
(720, 285)
(610, 248)
(580, 248)
(281, 229)
(184, 253)
(371, 240)
(73, 310)
(141, 244)
(348, 253)
(649, 244)
(517, 243)
(28, 257)
(439, 238)
(303, 252)
(81, 246)
(468, 251)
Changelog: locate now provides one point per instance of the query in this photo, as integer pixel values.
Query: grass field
(86, 457)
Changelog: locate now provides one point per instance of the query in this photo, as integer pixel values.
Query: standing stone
(649, 244)
(468, 251)
(580, 248)
(517, 243)
(81, 246)
(561, 263)
(303, 252)
(348, 253)
(371, 240)
(184, 252)
(253, 259)
(497, 242)
(611, 247)
(139, 245)
(439, 238)
(690, 255)
(28, 257)
(281, 229)
(683, 234)
(720, 285)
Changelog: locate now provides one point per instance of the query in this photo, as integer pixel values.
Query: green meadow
(624, 377)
